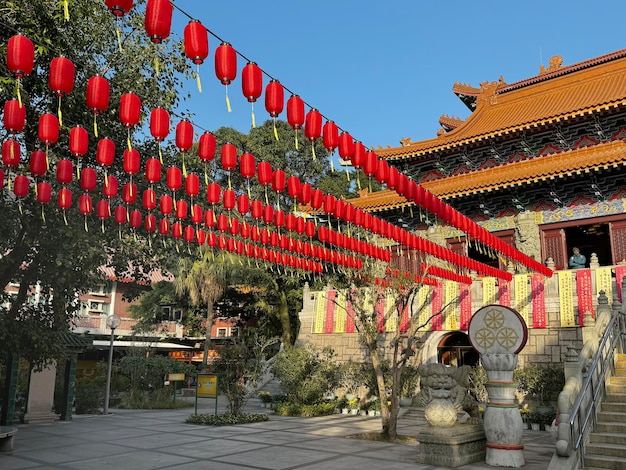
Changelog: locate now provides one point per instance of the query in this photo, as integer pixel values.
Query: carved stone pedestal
(452, 447)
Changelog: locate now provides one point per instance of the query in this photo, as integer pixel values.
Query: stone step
(605, 417)
(607, 438)
(603, 461)
(613, 407)
(614, 428)
(605, 449)
(615, 388)
(615, 398)
(617, 380)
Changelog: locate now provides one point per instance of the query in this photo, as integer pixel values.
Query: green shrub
(305, 411)
(89, 395)
(160, 399)
(226, 419)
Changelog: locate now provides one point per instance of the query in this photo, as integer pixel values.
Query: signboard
(207, 385)
(176, 377)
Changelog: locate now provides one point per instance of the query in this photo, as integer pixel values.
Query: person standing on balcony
(577, 260)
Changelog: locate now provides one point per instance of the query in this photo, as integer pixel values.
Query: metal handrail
(602, 366)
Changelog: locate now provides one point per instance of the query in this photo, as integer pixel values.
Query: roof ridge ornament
(555, 63)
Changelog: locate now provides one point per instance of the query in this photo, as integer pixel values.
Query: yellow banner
(566, 297)
(340, 312)
(522, 291)
(422, 306)
(452, 294)
(207, 385)
(604, 281)
(391, 313)
(320, 313)
(489, 291)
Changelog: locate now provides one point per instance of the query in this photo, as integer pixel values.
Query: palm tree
(204, 280)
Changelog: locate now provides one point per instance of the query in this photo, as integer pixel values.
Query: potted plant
(265, 398)
(373, 407)
(353, 405)
(535, 420)
(524, 413)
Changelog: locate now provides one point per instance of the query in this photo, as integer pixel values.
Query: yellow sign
(207, 385)
(176, 377)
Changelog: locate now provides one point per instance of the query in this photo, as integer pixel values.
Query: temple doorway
(591, 238)
(454, 349)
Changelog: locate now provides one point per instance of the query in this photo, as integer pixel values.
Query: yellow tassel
(19, 205)
(43, 214)
(86, 228)
(297, 143)
(102, 225)
(47, 159)
(228, 101)
(160, 154)
(66, 10)
(119, 36)
(65, 217)
(198, 80)
(358, 182)
(332, 166)
(266, 200)
(156, 65)
(95, 125)
(313, 149)
(19, 95)
(130, 147)
(206, 176)
(253, 119)
(184, 167)
(275, 130)
(347, 174)
(60, 113)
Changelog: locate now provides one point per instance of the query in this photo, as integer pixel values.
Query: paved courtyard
(147, 439)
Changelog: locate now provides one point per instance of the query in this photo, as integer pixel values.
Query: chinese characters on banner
(437, 304)
(504, 293)
(465, 306)
(539, 302)
(566, 297)
(329, 323)
(522, 296)
(584, 294)
(489, 290)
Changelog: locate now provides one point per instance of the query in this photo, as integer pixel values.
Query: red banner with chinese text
(465, 306)
(380, 312)
(584, 294)
(504, 293)
(404, 319)
(539, 301)
(349, 317)
(329, 321)
(436, 303)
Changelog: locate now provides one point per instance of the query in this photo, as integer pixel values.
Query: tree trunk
(207, 341)
(389, 413)
(283, 315)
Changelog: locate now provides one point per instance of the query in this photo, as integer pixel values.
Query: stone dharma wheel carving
(497, 329)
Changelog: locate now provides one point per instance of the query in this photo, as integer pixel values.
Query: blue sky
(384, 70)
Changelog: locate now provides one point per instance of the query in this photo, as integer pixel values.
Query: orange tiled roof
(583, 160)
(553, 96)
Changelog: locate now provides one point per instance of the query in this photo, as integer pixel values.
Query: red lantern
(295, 112)
(234, 227)
(222, 222)
(317, 198)
(182, 208)
(20, 55)
(158, 20)
(371, 164)
(105, 152)
(177, 230)
(14, 117)
(88, 179)
(153, 170)
(252, 81)
(382, 171)
(44, 192)
(290, 222)
(85, 204)
(184, 135)
(159, 126)
(329, 203)
(149, 223)
(21, 186)
(130, 110)
(65, 171)
(330, 136)
(256, 209)
(393, 177)
(98, 93)
(11, 153)
(247, 165)
(119, 7)
(279, 181)
(61, 77)
(129, 193)
(192, 185)
(268, 214)
(209, 218)
(226, 66)
(346, 146)
(279, 218)
(274, 98)
(64, 198)
(305, 193)
(48, 129)
(340, 208)
(313, 125)
(110, 187)
(403, 182)
(135, 219)
(264, 173)
(213, 193)
(196, 214)
(174, 178)
(189, 234)
(293, 187)
(132, 162)
(37, 165)
(244, 230)
(196, 42)
(229, 156)
(166, 204)
(207, 147)
(149, 199)
(79, 141)
(103, 209)
(358, 156)
(229, 199)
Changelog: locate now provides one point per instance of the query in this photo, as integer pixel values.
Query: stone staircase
(607, 447)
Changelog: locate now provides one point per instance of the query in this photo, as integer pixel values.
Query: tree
(389, 352)
(45, 246)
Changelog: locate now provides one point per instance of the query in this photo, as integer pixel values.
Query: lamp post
(113, 321)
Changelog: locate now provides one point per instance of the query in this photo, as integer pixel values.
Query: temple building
(539, 163)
